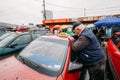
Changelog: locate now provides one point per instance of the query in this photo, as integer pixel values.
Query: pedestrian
(89, 51)
(95, 31)
(102, 31)
(97, 34)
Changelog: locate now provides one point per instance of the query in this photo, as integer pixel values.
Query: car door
(19, 43)
(71, 70)
(114, 59)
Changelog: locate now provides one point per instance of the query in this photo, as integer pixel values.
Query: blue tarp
(108, 21)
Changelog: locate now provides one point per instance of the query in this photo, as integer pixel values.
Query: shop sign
(55, 21)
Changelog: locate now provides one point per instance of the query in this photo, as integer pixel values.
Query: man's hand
(71, 35)
(70, 38)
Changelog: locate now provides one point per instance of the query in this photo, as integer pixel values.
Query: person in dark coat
(89, 51)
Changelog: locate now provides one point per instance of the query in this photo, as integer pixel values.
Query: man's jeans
(96, 72)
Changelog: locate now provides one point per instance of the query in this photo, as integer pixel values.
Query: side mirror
(12, 45)
(73, 67)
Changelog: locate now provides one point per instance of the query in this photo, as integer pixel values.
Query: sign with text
(55, 21)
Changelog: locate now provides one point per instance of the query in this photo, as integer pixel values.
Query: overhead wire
(105, 8)
(52, 4)
(48, 3)
(81, 8)
(72, 8)
(76, 10)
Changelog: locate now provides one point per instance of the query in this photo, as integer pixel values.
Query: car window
(74, 56)
(118, 45)
(116, 42)
(23, 39)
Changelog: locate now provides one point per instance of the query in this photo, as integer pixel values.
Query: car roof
(55, 37)
(118, 33)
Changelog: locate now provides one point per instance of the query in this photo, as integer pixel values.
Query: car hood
(13, 69)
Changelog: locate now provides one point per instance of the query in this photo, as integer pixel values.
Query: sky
(30, 11)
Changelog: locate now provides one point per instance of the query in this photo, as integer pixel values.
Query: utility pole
(84, 12)
(44, 11)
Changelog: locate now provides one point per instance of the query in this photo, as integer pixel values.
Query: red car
(46, 58)
(113, 52)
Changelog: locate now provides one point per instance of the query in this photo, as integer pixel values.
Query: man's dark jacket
(88, 48)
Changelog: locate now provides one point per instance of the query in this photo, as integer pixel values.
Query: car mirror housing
(73, 67)
(12, 45)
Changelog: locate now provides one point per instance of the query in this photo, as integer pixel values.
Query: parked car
(47, 57)
(113, 53)
(14, 41)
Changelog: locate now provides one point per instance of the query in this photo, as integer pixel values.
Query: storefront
(55, 25)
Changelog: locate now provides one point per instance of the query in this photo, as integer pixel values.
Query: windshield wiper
(26, 61)
(21, 58)
(35, 65)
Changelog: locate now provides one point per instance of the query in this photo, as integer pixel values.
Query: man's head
(78, 27)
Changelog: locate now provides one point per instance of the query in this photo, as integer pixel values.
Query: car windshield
(6, 40)
(47, 53)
